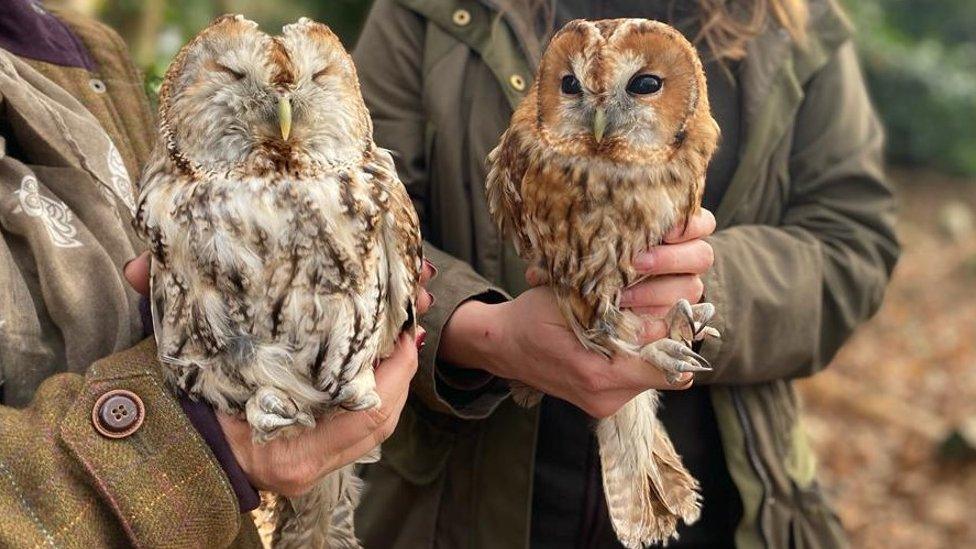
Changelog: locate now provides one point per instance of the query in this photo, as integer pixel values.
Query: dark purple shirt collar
(28, 30)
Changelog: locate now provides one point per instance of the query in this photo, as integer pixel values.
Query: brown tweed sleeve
(64, 483)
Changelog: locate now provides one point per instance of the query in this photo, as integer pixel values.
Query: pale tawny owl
(286, 252)
(605, 155)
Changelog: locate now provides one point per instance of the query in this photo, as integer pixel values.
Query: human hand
(527, 339)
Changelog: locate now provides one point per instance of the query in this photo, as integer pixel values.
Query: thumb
(137, 273)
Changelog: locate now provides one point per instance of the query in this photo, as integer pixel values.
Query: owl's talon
(270, 411)
(689, 323)
(708, 331)
(674, 358)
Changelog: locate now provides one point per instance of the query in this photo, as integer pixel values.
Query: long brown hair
(726, 26)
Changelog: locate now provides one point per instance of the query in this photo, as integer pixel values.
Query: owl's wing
(507, 165)
(175, 322)
(401, 238)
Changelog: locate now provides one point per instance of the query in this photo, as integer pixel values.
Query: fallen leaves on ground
(878, 415)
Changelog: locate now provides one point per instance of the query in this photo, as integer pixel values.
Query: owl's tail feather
(647, 487)
(322, 518)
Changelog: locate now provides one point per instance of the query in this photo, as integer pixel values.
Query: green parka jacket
(804, 248)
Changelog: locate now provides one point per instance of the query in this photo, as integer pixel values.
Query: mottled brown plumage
(286, 251)
(605, 155)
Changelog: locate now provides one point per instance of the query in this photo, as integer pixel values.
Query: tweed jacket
(71, 143)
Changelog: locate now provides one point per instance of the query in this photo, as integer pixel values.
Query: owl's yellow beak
(599, 124)
(284, 116)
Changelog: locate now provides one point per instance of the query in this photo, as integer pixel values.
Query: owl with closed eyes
(286, 252)
(604, 156)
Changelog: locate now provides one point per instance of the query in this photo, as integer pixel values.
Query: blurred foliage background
(919, 56)
(920, 59)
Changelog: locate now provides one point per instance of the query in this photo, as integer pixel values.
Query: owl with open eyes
(604, 156)
(286, 252)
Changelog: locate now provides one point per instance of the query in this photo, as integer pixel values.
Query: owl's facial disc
(237, 94)
(625, 85)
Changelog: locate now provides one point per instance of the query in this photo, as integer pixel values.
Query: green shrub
(920, 61)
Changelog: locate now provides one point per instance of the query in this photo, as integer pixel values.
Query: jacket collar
(516, 14)
(490, 33)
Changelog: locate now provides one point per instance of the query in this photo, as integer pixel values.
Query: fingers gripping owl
(286, 253)
(606, 154)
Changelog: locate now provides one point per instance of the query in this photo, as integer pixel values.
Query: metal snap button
(97, 85)
(461, 18)
(118, 413)
(517, 82)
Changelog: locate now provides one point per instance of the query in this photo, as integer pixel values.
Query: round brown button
(118, 413)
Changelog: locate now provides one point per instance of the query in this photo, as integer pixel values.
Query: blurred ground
(878, 415)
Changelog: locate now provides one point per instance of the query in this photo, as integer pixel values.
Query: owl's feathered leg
(647, 487)
(322, 518)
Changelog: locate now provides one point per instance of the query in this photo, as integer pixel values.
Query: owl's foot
(673, 358)
(359, 393)
(270, 410)
(689, 323)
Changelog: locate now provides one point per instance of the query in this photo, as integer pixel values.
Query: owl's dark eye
(236, 74)
(571, 85)
(644, 84)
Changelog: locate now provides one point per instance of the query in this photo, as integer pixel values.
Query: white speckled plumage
(285, 261)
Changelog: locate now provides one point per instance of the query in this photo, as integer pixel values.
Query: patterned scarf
(66, 204)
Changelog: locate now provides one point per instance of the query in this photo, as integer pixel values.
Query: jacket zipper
(753, 459)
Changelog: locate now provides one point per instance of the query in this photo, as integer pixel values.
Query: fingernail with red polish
(421, 338)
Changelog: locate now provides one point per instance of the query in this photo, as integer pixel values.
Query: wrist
(475, 337)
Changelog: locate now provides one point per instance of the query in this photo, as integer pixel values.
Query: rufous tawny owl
(606, 154)
(286, 252)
